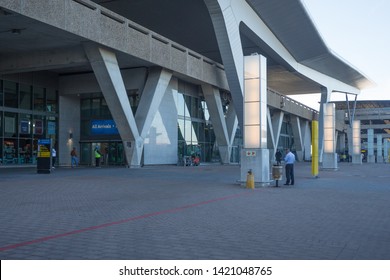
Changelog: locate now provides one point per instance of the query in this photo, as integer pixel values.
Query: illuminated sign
(103, 127)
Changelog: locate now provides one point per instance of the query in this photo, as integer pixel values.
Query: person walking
(53, 157)
(98, 155)
(74, 158)
(289, 159)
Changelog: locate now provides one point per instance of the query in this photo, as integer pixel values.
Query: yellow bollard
(314, 153)
(250, 180)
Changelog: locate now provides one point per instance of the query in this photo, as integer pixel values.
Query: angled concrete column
(154, 90)
(107, 72)
(386, 150)
(379, 150)
(214, 105)
(370, 146)
(231, 123)
(298, 141)
(306, 137)
(228, 36)
(329, 160)
(274, 127)
(356, 143)
(133, 130)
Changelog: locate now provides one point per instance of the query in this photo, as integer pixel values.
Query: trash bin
(277, 173)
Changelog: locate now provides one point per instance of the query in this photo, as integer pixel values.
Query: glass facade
(27, 113)
(195, 132)
(97, 130)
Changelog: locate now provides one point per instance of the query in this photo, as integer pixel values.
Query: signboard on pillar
(255, 155)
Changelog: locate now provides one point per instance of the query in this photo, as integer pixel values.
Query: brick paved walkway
(170, 212)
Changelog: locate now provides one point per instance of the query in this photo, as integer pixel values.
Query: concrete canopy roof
(189, 24)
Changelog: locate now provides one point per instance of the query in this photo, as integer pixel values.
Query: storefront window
(10, 138)
(20, 129)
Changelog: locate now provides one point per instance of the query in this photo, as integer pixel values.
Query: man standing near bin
(289, 160)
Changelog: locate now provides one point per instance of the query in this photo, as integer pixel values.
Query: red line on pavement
(173, 210)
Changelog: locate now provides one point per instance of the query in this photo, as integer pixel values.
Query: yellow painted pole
(314, 153)
(250, 180)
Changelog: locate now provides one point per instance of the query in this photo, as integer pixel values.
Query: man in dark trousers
(289, 159)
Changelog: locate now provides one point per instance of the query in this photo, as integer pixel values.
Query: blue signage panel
(103, 127)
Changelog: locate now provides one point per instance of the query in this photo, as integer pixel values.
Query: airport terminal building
(151, 82)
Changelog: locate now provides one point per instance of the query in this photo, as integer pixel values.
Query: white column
(255, 155)
(329, 160)
(379, 151)
(386, 150)
(356, 143)
(370, 145)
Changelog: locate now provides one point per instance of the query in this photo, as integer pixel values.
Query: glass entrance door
(113, 153)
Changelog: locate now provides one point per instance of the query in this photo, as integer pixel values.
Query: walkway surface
(171, 212)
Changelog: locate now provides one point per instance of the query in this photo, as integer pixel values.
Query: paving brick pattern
(171, 212)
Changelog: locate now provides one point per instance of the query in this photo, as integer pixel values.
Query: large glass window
(94, 109)
(11, 94)
(85, 108)
(25, 97)
(51, 100)
(196, 136)
(1, 93)
(39, 99)
(22, 122)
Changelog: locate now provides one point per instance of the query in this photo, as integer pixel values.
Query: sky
(359, 32)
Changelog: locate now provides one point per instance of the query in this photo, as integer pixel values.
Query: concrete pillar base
(379, 159)
(256, 160)
(329, 161)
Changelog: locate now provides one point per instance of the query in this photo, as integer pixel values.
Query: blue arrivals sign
(99, 127)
